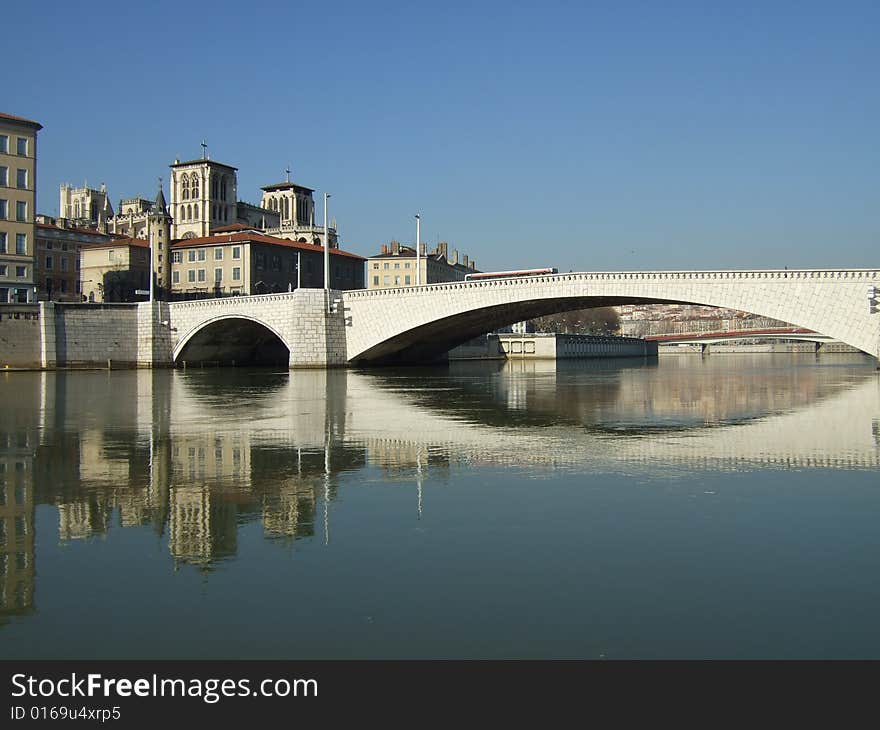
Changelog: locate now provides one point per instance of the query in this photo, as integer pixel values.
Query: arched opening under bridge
(233, 341)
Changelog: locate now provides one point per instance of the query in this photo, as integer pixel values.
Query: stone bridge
(420, 323)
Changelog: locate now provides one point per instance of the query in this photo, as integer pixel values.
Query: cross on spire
(204, 150)
(287, 172)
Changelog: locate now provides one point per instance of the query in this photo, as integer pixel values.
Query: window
(218, 275)
(375, 266)
(276, 262)
(195, 190)
(4, 144)
(175, 277)
(21, 244)
(201, 254)
(48, 245)
(407, 279)
(4, 209)
(236, 252)
(21, 211)
(375, 281)
(48, 263)
(49, 286)
(22, 146)
(2, 241)
(4, 175)
(111, 254)
(184, 187)
(261, 261)
(176, 257)
(191, 275)
(192, 255)
(386, 280)
(202, 275)
(386, 265)
(21, 178)
(236, 274)
(78, 288)
(218, 254)
(64, 264)
(396, 280)
(4, 271)
(397, 264)
(63, 283)
(21, 271)
(406, 265)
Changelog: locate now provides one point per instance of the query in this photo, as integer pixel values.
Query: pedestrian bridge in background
(418, 323)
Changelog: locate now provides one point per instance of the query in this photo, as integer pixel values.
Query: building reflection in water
(195, 455)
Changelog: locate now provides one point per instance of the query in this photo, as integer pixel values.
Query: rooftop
(249, 237)
(136, 242)
(207, 160)
(286, 186)
(21, 120)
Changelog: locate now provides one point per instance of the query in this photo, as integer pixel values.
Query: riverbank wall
(551, 346)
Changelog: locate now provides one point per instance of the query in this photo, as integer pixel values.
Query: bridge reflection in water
(174, 451)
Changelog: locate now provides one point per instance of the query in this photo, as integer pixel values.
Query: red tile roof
(87, 231)
(21, 120)
(233, 227)
(137, 242)
(259, 238)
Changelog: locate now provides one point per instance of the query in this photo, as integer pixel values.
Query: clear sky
(582, 135)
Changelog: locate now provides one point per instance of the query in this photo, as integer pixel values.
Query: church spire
(161, 207)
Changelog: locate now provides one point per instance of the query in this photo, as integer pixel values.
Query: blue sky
(586, 136)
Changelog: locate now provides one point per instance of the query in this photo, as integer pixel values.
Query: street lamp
(418, 250)
(326, 255)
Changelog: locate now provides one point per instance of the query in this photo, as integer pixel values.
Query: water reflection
(196, 455)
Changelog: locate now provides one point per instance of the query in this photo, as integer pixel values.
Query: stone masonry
(387, 322)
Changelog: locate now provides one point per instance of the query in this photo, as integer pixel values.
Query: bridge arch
(233, 338)
(418, 323)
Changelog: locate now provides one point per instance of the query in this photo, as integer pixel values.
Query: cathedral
(204, 201)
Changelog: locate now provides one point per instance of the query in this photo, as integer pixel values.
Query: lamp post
(418, 250)
(326, 255)
(150, 264)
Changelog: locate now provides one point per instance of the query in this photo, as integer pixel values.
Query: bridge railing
(793, 275)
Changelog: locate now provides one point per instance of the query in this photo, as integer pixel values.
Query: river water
(724, 507)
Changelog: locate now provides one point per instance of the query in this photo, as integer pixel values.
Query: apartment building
(18, 185)
(396, 266)
(250, 262)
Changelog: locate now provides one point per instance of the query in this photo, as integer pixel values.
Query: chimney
(454, 258)
(395, 247)
(441, 247)
(473, 265)
(384, 248)
(464, 260)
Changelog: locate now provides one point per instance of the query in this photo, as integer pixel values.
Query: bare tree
(599, 321)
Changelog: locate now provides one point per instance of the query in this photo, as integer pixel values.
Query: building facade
(58, 259)
(18, 199)
(250, 262)
(396, 266)
(114, 271)
(295, 206)
(204, 194)
(85, 206)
